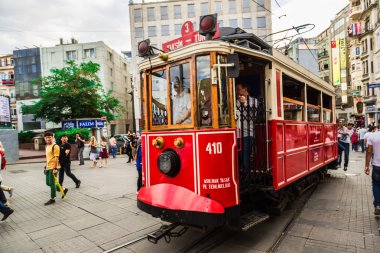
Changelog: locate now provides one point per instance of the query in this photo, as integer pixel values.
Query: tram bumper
(177, 204)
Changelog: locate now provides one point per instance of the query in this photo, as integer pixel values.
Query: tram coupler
(165, 231)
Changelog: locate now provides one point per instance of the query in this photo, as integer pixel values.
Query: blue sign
(373, 85)
(87, 123)
(99, 123)
(69, 124)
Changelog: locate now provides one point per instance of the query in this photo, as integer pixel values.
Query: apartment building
(363, 31)
(7, 86)
(161, 21)
(114, 75)
(304, 51)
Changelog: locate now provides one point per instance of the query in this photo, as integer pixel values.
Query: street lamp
(133, 109)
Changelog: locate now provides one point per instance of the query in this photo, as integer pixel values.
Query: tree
(73, 92)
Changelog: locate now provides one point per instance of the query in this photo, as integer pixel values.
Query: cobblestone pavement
(339, 217)
(90, 219)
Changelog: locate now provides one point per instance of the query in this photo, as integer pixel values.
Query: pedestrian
(373, 152)
(52, 167)
(371, 130)
(93, 151)
(5, 210)
(3, 199)
(139, 164)
(128, 147)
(103, 155)
(5, 187)
(355, 139)
(80, 144)
(362, 131)
(65, 161)
(345, 134)
(134, 145)
(113, 145)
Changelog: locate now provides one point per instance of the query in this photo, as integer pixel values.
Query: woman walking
(103, 152)
(93, 151)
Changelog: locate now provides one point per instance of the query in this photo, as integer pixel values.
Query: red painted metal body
(300, 148)
(208, 170)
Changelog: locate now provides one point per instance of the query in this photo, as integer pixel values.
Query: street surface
(102, 214)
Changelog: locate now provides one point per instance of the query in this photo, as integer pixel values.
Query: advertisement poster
(335, 62)
(5, 112)
(342, 56)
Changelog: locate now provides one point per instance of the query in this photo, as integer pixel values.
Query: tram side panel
(300, 148)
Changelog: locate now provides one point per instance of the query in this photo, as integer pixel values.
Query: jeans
(129, 153)
(245, 153)
(80, 155)
(139, 180)
(361, 143)
(65, 168)
(376, 185)
(3, 199)
(346, 153)
(114, 151)
(3, 208)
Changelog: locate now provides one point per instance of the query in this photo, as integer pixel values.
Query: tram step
(251, 219)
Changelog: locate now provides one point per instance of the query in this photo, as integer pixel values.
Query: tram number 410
(214, 148)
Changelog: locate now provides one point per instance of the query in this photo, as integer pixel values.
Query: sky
(30, 23)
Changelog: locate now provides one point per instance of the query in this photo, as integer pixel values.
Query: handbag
(343, 138)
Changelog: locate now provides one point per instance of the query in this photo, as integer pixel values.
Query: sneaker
(338, 166)
(65, 192)
(11, 192)
(7, 213)
(50, 201)
(77, 185)
(377, 210)
(345, 168)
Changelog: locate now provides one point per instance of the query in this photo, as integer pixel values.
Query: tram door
(251, 124)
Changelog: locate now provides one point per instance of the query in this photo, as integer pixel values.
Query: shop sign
(370, 109)
(373, 85)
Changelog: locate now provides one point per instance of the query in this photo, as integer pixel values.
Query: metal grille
(253, 143)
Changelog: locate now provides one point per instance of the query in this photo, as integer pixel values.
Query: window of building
(190, 11)
(232, 6)
(89, 53)
(139, 32)
(151, 15)
(111, 71)
(260, 5)
(165, 30)
(364, 46)
(177, 29)
(220, 23)
(138, 17)
(204, 8)
(110, 56)
(164, 13)
(52, 56)
(370, 44)
(34, 68)
(246, 6)
(112, 87)
(233, 22)
(261, 22)
(378, 64)
(71, 55)
(151, 31)
(177, 11)
(125, 66)
(218, 7)
(247, 23)
(372, 67)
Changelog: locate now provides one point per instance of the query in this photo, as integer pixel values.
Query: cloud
(43, 22)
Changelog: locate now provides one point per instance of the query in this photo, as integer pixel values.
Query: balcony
(323, 54)
(8, 82)
(355, 12)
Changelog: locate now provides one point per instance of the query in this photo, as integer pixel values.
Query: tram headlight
(207, 25)
(144, 48)
(169, 162)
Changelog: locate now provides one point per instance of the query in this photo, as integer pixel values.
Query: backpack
(3, 160)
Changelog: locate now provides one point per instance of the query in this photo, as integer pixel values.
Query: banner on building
(342, 53)
(335, 62)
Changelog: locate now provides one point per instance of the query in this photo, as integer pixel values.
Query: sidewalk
(339, 216)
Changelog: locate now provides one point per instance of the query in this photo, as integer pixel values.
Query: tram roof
(274, 56)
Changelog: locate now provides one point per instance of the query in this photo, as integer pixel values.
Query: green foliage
(71, 134)
(73, 92)
(26, 137)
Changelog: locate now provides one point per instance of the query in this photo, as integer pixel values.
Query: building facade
(324, 53)
(304, 51)
(161, 21)
(114, 75)
(363, 31)
(7, 87)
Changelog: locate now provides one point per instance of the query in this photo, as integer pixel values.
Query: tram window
(313, 105)
(159, 98)
(327, 108)
(180, 94)
(204, 91)
(293, 99)
(223, 94)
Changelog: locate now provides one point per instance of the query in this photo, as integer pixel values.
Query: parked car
(120, 139)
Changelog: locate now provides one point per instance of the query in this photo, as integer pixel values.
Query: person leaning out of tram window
(245, 105)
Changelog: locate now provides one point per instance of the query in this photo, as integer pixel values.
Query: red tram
(198, 167)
